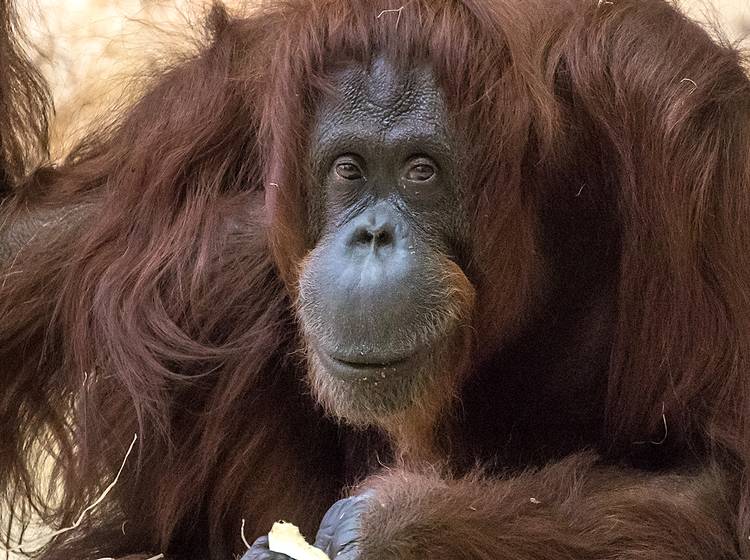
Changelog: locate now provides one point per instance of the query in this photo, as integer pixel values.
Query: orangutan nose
(377, 230)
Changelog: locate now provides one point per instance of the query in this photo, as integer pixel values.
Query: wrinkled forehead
(383, 89)
(379, 98)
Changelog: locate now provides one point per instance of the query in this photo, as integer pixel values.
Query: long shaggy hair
(162, 305)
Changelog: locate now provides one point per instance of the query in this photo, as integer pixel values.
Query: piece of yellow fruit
(285, 538)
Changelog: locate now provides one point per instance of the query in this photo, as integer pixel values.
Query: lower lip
(366, 372)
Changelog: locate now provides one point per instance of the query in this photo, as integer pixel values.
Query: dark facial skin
(380, 294)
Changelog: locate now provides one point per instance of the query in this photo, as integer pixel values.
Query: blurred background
(95, 53)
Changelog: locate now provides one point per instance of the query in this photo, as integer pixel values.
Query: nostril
(363, 236)
(383, 237)
(373, 236)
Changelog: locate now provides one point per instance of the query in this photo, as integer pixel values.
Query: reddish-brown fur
(610, 205)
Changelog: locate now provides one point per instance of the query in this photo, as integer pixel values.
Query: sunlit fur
(167, 311)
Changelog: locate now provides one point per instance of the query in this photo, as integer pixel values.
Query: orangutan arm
(573, 509)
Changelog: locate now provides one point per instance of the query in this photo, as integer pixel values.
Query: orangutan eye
(348, 170)
(420, 171)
